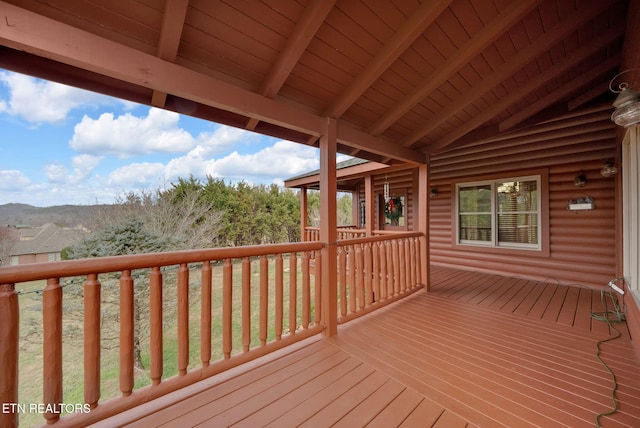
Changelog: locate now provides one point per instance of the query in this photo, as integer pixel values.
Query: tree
(122, 237)
(8, 240)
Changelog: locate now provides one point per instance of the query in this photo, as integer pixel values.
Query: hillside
(63, 215)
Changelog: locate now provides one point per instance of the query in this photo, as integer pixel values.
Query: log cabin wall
(579, 247)
(402, 182)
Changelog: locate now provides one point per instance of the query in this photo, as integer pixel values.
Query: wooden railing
(287, 311)
(344, 232)
(375, 271)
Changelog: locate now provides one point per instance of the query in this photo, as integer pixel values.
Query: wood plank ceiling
(402, 78)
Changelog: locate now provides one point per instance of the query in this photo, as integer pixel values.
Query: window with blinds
(503, 213)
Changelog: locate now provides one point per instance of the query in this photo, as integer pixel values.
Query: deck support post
(369, 215)
(304, 213)
(329, 227)
(423, 225)
(9, 341)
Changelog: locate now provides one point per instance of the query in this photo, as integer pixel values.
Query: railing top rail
(69, 268)
(376, 238)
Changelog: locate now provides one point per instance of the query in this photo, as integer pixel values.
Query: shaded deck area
(478, 350)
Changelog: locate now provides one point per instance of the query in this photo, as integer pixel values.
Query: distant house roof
(49, 238)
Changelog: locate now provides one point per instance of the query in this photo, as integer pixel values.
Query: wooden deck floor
(477, 350)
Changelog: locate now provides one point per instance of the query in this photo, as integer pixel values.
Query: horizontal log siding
(581, 243)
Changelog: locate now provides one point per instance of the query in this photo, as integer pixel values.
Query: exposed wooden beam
(41, 36)
(175, 12)
(417, 23)
(537, 47)
(631, 48)
(518, 94)
(604, 67)
(479, 42)
(591, 94)
(354, 138)
(303, 32)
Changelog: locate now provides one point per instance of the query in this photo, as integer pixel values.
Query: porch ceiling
(403, 78)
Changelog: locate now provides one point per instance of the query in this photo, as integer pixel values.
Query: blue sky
(62, 145)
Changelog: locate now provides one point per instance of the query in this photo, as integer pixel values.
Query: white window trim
(494, 215)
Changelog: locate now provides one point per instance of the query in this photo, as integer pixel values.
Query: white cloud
(136, 175)
(273, 164)
(39, 101)
(57, 173)
(127, 135)
(83, 166)
(12, 180)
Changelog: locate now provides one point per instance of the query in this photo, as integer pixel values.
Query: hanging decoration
(393, 209)
(385, 191)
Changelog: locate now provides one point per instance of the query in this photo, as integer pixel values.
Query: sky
(62, 145)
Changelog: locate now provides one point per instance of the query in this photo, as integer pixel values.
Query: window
(502, 213)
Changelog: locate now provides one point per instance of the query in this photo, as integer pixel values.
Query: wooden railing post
(246, 304)
(155, 307)
(9, 352)
(183, 319)
(52, 347)
(205, 314)
(293, 293)
(92, 340)
(126, 333)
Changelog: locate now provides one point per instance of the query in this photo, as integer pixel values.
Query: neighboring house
(43, 244)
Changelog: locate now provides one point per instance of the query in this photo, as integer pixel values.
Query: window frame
(541, 249)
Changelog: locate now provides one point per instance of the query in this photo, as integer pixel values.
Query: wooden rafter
(419, 21)
(515, 12)
(304, 31)
(538, 46)
(42, 36)
(172, 24)
(524, 90)
(559, 94)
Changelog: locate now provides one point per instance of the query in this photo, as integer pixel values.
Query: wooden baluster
(360, 277)
(227, 307)
(414, 262)
(390, 269)
(402, 264)
(417, 262)
(306, 291)
(375, 270)
(368, 286)
(205, 313)
(9, 351)
(264, 298)
(155, 308)
(342, 279)
(383, 271)
(92, 291)
(279, 296)
(183, 319)
(293, 293)
(317, 311)
(396, 267)
(408, 261)
(351, 268)
(246, 304)
(52, 346)
(126, 333)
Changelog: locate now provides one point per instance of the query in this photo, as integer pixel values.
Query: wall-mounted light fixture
(627, 104)
(580, 180)
(608, 169)
(433, 192)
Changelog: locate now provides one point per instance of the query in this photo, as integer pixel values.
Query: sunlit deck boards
(428, 360)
